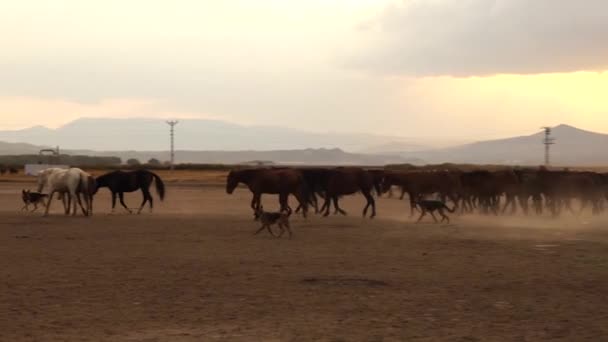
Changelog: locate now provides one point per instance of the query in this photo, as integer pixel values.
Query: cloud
(485, 37)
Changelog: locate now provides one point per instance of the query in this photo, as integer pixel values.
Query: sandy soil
(192, 271)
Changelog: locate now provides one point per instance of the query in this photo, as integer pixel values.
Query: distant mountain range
(197, 135)
(573, 146)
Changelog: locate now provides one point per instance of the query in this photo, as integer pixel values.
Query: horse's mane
(245, 175)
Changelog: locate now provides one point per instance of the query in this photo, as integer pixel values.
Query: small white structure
(33, 169)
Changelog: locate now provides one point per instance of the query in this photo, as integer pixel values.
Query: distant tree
(133, 162)
(154, 162)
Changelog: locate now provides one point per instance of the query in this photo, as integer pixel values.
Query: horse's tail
(160, 186)
(448, 209)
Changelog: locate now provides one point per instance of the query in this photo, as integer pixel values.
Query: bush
(154, 162)
(133, 162)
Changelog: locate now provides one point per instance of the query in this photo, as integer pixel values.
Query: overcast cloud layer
(486, 37)
(313, 65)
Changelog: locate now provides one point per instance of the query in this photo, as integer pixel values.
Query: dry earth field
(192, 271)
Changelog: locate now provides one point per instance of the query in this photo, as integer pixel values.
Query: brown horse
(282, 181)
(347, 181)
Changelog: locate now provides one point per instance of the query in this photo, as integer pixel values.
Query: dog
(269, 219)
(32, 198)
(430, 206)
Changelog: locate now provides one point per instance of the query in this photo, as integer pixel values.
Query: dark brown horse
(280, 181)
(120, 182)
(347, 181)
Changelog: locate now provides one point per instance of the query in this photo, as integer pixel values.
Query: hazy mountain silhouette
(191, 134)
(573, 146)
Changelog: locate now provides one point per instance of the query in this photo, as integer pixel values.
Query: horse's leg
(113, 201)
(85, 201)
(373, 203)
(327, 205)
(121, 197)
(151, 201)
(90, 197)
(82, 207)
(315, 203)
(288, 229)
(283, 205)
(48, 204)
(338, 209)
(412, 197)
(324, 206)
(67, 202)
(303, 202)
(370, 203)
(84, 212)
(256, 203)
(147, 198)
(507, 203)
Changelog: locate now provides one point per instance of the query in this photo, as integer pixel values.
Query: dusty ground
(192, 271)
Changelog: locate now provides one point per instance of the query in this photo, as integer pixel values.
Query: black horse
(120, 182)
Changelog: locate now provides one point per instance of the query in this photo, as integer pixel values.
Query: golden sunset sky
(454, 68)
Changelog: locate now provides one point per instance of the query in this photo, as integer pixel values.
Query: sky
(416, 68)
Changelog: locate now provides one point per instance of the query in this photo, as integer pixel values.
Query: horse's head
(232, 181)
(96, 183)
(385, 184)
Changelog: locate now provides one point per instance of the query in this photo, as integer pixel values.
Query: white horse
(72, 181)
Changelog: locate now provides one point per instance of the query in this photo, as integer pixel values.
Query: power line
(172, 130)
(548, 141)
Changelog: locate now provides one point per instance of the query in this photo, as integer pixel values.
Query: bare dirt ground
(192, 271)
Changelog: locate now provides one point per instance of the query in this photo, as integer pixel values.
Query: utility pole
(172, 124)
(548, 141)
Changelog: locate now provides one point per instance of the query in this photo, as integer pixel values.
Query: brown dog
(32, 198)
(269, 219)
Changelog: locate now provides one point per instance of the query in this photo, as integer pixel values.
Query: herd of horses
(533, 190)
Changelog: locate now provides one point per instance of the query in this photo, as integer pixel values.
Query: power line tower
(548, 141)
(172, 130)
